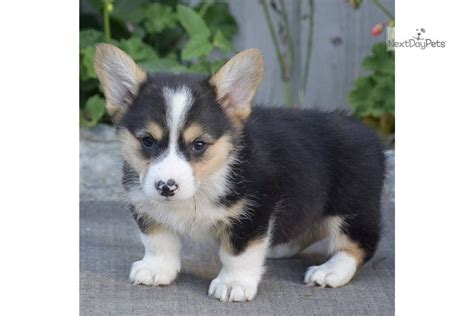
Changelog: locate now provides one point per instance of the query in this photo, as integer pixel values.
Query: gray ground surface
(110, 243)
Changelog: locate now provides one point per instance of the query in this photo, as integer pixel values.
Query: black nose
(166, 189)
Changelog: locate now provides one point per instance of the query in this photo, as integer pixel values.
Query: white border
(39, 158)
(434, 161)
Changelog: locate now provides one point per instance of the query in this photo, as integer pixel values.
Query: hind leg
(351, 243)
(289, 249)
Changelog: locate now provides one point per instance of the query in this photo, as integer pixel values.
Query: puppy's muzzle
(167, 188)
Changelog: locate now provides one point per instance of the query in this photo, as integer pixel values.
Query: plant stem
(291, 48)
(106, 11)
(309, 50)
(281, 60)
(206, 4)
(274, 38)
(384, 10)
(287, 92)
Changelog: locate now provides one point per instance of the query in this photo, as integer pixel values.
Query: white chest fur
(196, 217)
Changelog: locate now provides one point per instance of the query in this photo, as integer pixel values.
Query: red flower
(377, 29)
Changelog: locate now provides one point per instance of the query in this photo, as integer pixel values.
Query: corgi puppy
(265, 183)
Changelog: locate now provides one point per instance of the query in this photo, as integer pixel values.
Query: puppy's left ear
(236, 83)
(120, 77)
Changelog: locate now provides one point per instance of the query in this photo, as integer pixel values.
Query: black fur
(302, 165)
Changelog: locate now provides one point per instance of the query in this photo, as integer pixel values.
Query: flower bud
(377, 29)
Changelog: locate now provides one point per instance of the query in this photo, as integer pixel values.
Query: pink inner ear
(226, 101)
(236, 95)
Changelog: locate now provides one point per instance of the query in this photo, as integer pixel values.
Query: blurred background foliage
(373, 98)
(174, 36)
(167, 35)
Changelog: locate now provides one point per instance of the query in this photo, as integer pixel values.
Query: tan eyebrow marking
(215, 157)
(192, 132)
(155, 130)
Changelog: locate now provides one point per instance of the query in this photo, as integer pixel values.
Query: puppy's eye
(199, 145)
(147, 141)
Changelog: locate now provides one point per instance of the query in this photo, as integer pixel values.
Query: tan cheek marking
(214, 158)
(155, 130)
(192, 132)
(130, 147)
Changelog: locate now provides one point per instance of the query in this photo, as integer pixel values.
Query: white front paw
(153, 272)
(232, 290)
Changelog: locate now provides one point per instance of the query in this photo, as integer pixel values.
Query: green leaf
(96, 4)
(90, 37)
(87, 62)
(137, 49)
(216, 65)
(123, 10)
(139, 32)
(221, 42)
(93, 111)
(201, 68)
(380, 60)
(192, 22)
(159, 17)
(163, 65)
(219, 18)
(374, 95)
(129, 11)
(88, 86)
(196, 47)
(170, 28)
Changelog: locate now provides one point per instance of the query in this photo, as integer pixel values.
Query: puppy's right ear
(120, 77)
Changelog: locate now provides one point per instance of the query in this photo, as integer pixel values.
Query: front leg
(161, 262)
(241, 273)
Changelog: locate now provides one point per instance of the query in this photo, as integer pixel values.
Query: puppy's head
(177, 132)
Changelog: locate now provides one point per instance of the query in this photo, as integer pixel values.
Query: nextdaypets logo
(419, 40)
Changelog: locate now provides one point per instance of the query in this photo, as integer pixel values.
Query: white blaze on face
(172, 165)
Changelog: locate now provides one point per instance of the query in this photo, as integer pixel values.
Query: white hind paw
(336, 272)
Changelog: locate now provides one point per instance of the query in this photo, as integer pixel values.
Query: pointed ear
(236, 83)
(120, 77)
